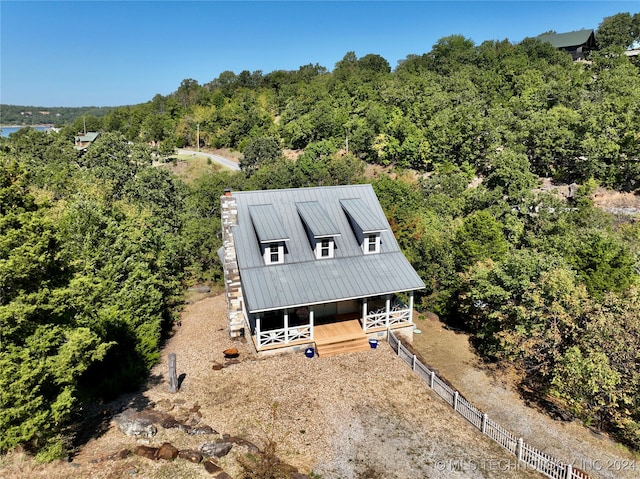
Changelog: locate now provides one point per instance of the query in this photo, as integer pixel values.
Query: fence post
(569, 471)
(519, 449)
(484, 423)
(413, 364)
(433, 375)
(455, 401)
(399, 344)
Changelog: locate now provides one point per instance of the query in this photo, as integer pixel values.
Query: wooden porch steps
(341, 337)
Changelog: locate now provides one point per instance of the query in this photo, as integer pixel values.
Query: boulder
(167, 451)
(190, 455)
(132, 423)
(215, 449)
(146, 451)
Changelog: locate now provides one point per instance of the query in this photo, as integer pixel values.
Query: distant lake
(7, 130)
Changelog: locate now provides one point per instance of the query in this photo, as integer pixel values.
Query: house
(577, 43)
(82, 141)
(313, 267)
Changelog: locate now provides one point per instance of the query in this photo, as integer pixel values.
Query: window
(274, 253)
(371, 244)
(324, 248)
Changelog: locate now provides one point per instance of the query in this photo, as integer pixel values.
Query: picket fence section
(532, 457)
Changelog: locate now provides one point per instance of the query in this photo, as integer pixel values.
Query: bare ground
(354, 416)
(495, 393)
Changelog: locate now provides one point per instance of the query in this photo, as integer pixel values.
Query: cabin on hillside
(313, 267)
(577, 43)
(82, 141)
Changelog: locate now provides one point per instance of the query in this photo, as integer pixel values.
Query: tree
(258, 151)
(619, 30)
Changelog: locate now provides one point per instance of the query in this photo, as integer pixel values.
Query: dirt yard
(355, 416)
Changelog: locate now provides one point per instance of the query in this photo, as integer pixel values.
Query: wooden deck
(340, 337)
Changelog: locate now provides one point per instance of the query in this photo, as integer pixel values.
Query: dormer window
(366, 225)
(273, 253)
(320, 228)
(324, 248)
(372, 244)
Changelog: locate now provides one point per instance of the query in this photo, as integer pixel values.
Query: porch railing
(399, 313)
(283, 335)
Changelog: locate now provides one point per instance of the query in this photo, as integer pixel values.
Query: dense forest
(95, 248)
(14, 115)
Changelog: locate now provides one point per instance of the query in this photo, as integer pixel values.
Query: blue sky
(108, 53)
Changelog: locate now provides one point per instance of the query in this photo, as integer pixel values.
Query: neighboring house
(84, 140)
(577, 43)
(313, 266)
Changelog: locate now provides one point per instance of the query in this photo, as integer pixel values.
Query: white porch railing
(283, 335)
(398, 313)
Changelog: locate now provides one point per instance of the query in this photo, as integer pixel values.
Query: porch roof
(298, 284)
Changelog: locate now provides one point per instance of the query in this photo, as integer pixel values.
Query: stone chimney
(233, 288)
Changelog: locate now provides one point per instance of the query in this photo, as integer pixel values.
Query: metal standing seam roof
(317, 219)
(267, 224)
(569, 39)
(366, 220)
(303, 279)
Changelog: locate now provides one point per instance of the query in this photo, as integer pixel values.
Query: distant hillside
(38, 115)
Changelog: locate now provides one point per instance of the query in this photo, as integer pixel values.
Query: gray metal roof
(303, 279)
(366, 220)
(317, 219)
(267, 223)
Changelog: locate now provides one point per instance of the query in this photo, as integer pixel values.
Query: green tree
(258, 151)
(619, 30)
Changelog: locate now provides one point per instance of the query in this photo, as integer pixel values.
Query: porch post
(411, 307)
(364, 314)
(258, 331)
(311, 321)
(286, 326)
(388, 308)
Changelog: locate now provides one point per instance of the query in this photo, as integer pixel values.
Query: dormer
(270, 232)
(366, 226)
(320, 228)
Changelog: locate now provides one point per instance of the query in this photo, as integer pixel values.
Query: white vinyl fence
(535, 459)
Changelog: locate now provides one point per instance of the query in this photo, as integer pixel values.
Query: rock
(215, 449)
(132, 423)
(202, 430)
(122, 454)
(190, 455)
(299, 475)
(223, 475)
(167, 451)
(253, 449)
(169, 423)
(211, 468)
(146, 451)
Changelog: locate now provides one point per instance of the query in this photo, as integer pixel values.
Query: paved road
(218, 159)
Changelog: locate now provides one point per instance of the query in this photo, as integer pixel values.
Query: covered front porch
(298, 326)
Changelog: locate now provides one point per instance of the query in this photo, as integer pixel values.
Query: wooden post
(413, 364)
(569, 471)
(484, 423)
(455, 401)
(173, 375)
(258, 332)
(433, 376)
(388, 310)
(519, 450)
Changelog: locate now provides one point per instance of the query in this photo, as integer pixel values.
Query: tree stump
(173, 375)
